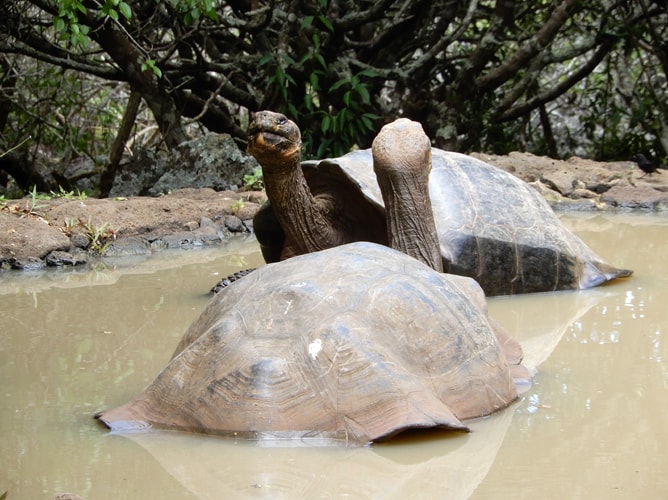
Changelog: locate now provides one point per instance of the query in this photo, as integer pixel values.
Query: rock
(80, 240)
(192, 225)
(583, 193)
(132, 245)
(209, 233)
(213, 161)
(234, 224)
(59, 258)
(641, 197)
(28, 236)
(27, 264)
(561, 181)
(138, 175)
(66, 496)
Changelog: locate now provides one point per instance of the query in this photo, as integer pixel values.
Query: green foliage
(474, 78)
(100, 237)
(254, 181)
(67, 25)
(327, 130)
(68, 195)
(149, 64)
(192, 10)
(62, 114)
(34, 200)
(236, 206)
(69, 28)
(113, 8)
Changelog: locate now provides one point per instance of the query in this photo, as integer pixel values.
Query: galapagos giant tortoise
(490, 225)
(355, 344)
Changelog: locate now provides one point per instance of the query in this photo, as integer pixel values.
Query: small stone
(583, 193)
(80, 241)
(205, 222)
(59, 259)
(28, 264)
(133, 245)
(234, 224)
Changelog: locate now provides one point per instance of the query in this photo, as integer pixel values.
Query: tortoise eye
(282, 120)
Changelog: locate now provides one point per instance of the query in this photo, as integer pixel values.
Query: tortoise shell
(492, 226)
(354, 343)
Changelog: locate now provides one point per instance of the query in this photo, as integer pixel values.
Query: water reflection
(593, 424)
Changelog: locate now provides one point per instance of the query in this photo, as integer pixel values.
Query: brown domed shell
(492, 226)
(354, 343)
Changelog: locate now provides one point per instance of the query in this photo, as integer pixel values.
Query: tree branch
(562, 87)
(543, 37)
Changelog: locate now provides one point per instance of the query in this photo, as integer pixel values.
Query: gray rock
(60, 259)
(562, 182)
(80, 240)
(630, 197)
(206, 235)
(234, 224)
(137, 177)
(133, 245)
(28, 264)
(213, 161)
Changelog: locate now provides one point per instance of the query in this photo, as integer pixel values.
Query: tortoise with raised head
(353, 343)
(490, 225)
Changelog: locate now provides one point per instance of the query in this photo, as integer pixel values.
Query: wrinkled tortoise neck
(402, 161)
(295, 207)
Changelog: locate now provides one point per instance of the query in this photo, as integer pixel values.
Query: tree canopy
(553, 77)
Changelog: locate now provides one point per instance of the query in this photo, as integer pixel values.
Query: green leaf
(58, 24)
(368, 72)
(338, 84)
(265, 59)
(325, 124)
(288, 59)
(364, 94)
(321, 60)
(307, 21)
(125, 9)
(315, 83)
(327, 23)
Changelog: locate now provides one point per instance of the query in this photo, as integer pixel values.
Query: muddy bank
(62, 232)
(35, 233)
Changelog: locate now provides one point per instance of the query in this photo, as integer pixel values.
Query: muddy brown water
(593, 425)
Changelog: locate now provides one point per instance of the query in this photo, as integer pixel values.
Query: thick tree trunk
(23, 171)
(130, 59)
(116, 153)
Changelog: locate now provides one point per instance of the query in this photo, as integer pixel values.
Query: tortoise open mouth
(263, 137)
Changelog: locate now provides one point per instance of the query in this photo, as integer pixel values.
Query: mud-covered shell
(354, 343)
(492, 226)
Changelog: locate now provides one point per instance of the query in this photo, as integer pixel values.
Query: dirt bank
(72, 231)
(35, 233)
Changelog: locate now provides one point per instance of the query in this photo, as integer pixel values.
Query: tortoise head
(402, 162)
(274, 140)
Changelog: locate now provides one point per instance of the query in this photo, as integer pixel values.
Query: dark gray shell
(492, 226)
(354, 343)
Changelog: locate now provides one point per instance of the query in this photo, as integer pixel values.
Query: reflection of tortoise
(354, 343)
(491, 226)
